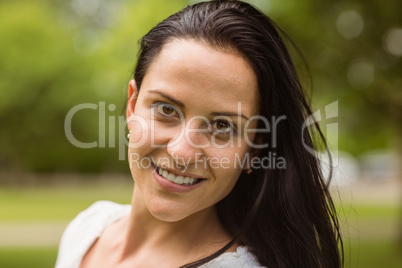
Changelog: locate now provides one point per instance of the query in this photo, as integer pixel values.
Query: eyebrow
(229, 114)
(179, 103)
(154, 91)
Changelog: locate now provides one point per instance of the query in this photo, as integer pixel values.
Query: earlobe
(131, 102)
(247, 168)
(253, 153)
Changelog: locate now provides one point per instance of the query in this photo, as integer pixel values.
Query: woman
(214, 95)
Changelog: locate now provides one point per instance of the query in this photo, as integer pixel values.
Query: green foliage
(56, 57)
(358, 71)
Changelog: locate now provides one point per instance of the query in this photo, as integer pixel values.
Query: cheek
(226, 180)
(140, 130)
(228, 161)
(153, 133)
(163, 133)
(139, 145)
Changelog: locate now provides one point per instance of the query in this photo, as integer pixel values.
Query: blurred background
(69, 62)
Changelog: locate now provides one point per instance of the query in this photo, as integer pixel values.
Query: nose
(187, 148)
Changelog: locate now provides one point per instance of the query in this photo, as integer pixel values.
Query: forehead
(200, 73)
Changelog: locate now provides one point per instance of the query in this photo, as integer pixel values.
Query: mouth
(177, 179)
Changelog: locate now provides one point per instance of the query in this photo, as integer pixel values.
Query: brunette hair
(285, 217)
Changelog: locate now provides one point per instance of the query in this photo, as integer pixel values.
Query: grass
(373, 253)
(57, 203)
(50, 204)
(28, 257)
(370, 231)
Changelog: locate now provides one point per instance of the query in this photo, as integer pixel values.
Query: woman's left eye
(223, 127)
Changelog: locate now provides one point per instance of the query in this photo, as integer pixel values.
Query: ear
(254, 152)
(132, 100)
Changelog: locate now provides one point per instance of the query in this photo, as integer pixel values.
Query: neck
(199, 232)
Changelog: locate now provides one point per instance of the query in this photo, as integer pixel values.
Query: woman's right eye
(165, 109)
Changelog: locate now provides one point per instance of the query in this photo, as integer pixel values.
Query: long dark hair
(285, 217)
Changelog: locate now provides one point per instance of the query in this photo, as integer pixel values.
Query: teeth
(170, 177)
(177, 179)
(187, 180)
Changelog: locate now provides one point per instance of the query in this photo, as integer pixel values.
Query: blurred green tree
(58, 54)
(354, 49)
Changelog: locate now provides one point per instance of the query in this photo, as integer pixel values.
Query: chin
(166, 212)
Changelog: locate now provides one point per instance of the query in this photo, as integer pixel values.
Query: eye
(223, 127)
(165, 109)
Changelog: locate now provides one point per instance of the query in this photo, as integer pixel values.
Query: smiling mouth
(178, 179)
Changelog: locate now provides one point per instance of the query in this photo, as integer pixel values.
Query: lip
(173, 187)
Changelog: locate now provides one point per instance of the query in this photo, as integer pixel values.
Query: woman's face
(187, 127)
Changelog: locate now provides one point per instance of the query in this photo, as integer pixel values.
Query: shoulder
(85, 228)
(94, 219)
(242, 258)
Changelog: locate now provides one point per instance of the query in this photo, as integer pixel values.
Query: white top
(84, 229)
